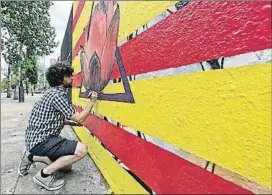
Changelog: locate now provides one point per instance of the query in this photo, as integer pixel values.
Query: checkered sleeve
(60, 102)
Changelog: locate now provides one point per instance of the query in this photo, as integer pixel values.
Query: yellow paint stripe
(109, 191)
(76, 100)
(143, 12)
(119, 180)
(82, 21)
(134, 14)
(76, 64)
(223, 116)
(75, 4)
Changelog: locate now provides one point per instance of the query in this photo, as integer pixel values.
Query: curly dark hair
(55, 73)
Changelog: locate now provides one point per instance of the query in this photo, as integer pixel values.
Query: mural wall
(66, 47)
(184, 94)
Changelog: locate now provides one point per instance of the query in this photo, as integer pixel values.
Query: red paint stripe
(161, 170)
(198, 32)
(77, 80)
(79, 9)
(80, 42)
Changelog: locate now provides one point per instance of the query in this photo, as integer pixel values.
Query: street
(85, 178)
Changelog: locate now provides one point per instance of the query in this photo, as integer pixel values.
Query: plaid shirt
(48, 116)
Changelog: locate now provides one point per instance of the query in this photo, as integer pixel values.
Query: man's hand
(72, 123)
(93, 96)
(80, 117)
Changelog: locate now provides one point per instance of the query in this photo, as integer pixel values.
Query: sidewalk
(84, 179)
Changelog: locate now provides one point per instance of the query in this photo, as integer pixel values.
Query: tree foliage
(29, 23)
(26, 30)
(11, 53)
(31, 70)
(4, 84)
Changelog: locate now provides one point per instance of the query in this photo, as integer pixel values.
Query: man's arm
(80, 117)
(61, 103)
(71, 123)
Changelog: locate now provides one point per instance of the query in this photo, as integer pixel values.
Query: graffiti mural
(178, 56)
(100, 51)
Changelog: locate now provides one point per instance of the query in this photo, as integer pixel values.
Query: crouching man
(48, 117)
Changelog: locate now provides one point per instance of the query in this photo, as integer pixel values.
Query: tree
(29, 23)
(31, 71)
(12, 57)
(4, 84)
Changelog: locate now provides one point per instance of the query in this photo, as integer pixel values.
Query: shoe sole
(46, 187)
(19, 171)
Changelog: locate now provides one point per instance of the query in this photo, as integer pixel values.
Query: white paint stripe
(251, 58)
(247, 59)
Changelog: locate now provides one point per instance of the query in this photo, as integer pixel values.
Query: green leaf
(28, 23)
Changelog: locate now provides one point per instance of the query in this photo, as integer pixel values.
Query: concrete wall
(184, 94)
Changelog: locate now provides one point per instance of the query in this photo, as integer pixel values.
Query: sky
(59, 17)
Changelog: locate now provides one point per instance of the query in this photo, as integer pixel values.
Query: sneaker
(25, 164)
(50, 183)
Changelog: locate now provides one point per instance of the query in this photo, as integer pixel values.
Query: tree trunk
(26, 83)
(20, 82)
(21, 91)
(32, 89)
(9, 82)
(15, 97)
(16, 90)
